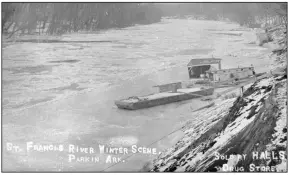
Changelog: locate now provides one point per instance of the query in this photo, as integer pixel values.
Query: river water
(63, 93)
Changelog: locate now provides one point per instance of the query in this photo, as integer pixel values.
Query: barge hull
(122, 104)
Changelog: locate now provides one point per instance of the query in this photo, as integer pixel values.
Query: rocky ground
(247, 133)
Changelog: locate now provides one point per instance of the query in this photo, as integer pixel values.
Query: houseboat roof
(203, 61)
(221, 70)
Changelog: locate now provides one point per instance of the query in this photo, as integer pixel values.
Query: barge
(134, 103)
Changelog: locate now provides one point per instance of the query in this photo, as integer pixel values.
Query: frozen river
(63, 93)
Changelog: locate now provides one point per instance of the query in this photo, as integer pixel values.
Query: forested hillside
(60, 18)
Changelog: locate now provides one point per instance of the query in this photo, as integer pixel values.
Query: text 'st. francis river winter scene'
(144, 87)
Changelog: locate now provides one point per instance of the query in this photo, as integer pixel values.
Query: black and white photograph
(91, 87)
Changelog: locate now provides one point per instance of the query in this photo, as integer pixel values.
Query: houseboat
(210, 71)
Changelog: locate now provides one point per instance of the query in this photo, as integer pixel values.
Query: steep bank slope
(247, 127)
(247, 134)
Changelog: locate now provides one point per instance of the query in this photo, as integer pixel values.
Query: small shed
(197, 67)
(173, 87)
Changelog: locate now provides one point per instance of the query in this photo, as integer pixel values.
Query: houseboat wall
(223, 75)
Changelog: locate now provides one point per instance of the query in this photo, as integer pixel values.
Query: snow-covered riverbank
(246, 134)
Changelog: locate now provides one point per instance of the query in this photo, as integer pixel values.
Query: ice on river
(70, 88)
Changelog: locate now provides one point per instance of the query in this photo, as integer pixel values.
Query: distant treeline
(59, 18)
(242, 13)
